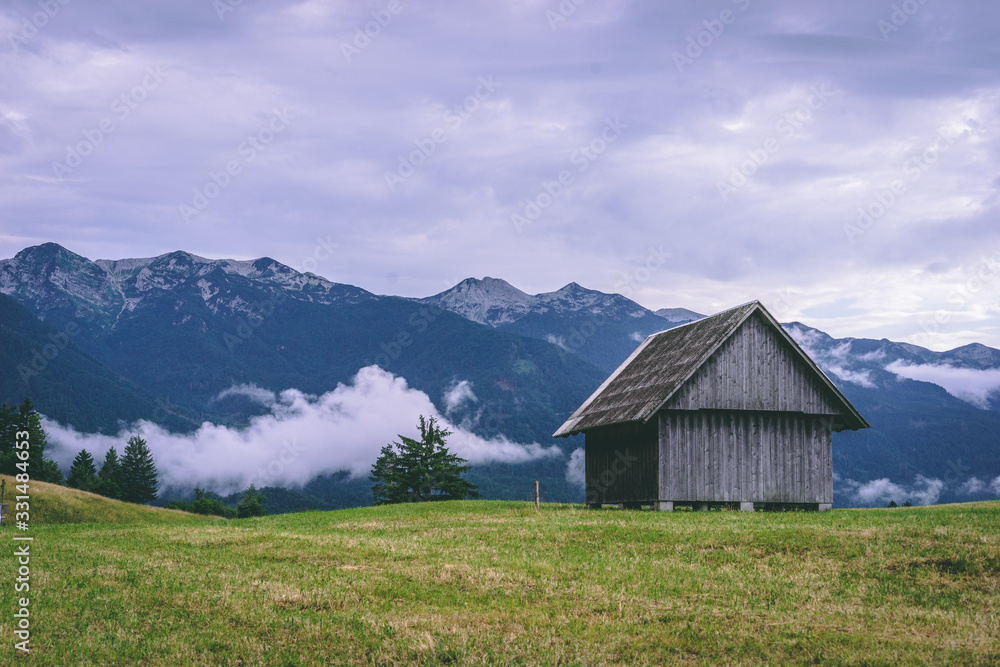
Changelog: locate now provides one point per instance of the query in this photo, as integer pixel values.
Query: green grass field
(482, 582)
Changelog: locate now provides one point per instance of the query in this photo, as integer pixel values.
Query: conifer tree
(251, 504)
(109, 479)
(420, 470)
(14, 424)
(138, 472)
(83, 472)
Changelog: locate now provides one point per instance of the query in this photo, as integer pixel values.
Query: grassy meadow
(483, 582)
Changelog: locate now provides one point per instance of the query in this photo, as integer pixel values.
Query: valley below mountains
(246, 370)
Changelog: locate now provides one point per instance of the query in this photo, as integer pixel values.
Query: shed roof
(666, 360)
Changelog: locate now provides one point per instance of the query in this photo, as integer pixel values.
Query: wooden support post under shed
(746, 507)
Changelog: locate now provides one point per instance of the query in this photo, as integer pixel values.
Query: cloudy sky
(836, 160)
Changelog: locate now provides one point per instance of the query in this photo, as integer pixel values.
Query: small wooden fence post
(536, 495)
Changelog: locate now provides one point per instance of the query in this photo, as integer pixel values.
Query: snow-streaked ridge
(49, 276)
(496, 302)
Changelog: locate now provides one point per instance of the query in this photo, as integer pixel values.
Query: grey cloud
(972, 385)
(576, 471)
(879, 492)
(656, 184)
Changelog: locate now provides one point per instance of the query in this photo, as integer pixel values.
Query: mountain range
(164, 338)
(601, 328)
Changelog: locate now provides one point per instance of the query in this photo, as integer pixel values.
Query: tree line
(411, 470)
(131, 477)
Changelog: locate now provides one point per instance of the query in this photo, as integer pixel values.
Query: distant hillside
(918, 428)
(65, 383)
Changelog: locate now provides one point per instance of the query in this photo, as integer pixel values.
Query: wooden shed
(726, 410)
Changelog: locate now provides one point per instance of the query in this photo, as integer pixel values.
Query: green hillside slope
(52, 504)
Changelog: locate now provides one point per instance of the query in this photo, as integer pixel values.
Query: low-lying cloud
(862, 378)
(879, 492)
(576, 469)
(975, 486)
(302, 436)
(459, 393)
(971, 385)
(833, 360)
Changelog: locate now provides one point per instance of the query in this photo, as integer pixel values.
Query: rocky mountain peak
(50, 279)
(496, 302)
(487, 301)
(679, 315)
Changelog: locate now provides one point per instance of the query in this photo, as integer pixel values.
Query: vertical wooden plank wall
(622, 464)
(752, 425)
(719, 456)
